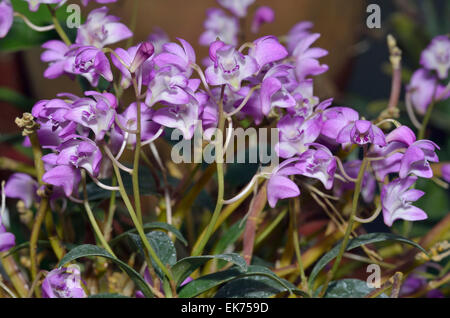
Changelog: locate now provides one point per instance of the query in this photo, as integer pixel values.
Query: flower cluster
(267, 80)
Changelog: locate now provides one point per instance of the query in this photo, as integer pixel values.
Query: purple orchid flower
(158, 38)
(398, 142)
(63, 282)
(335, 119)
(101, 29)
(445, 170)
(6, 17)
(279, 185)
(369, 183)
(237, 7)
(267, 50)
(273, 91)
(95, 113)
(396, 199)
(230, 66)
(34, 4)
(416, 159)
(262, 16)
(80, 152)
(168, 85)
(183, 117)
(56, 55)
(295, 134)
(22, 186)
(219, 25)
(65, 179)
(306, 62)
(179, 56)
(91, 60)
(319, 164)
(297, 34)
(7, 240)
(128, 119)
(361, 132)
(86, 2)
(423, 89)
(437, 56)
(138, 59)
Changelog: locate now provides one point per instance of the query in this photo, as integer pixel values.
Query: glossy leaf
(357, 242)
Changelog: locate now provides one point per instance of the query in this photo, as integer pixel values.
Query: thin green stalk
(138, 225)
(92, 220)
(39, 219)
(261, 237)
(137, 152)
(426, 120)
(62, 34)
(293, 214)
(198, 250)
(349, 228)
(111, 211)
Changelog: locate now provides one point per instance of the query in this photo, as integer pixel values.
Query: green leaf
(357, 242)
(253, 287)
(208, 282)
(349, 288)
(163, 246)
(93, 250)
(183, 268)
(21, 37)
(152, 226)
(106, 295)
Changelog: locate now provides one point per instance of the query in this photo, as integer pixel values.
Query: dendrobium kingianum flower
(183, 117)
(318, 163)
(64, 282)
(436, 56)
(445, 171)
(416, 159)
(137, 59)
(128, 119)
(295, 133)
(361, 132)
(81, 152)
(91, 60)
(307, 63)
(7, 239)
(6, 17)
(182, 57)
(237, 7)
(267, 50)
(101, 29)
(280, 186)
(262, 16)
(219, 25)
(95, 112)
(34, 4)
(397, 199)
(230, 67)
(23, 187)
(423, 89)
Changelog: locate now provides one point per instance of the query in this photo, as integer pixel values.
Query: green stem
(111, 211)
(426, 120)
(92, 220)
(38, 220)
(138, 225)
(198, 250)
(62, 34)
(137, 152)
(349, 228)
(293, 215)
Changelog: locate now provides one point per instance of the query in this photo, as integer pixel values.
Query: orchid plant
(94, 154)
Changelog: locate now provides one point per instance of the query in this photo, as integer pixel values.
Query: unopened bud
(143, 53)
